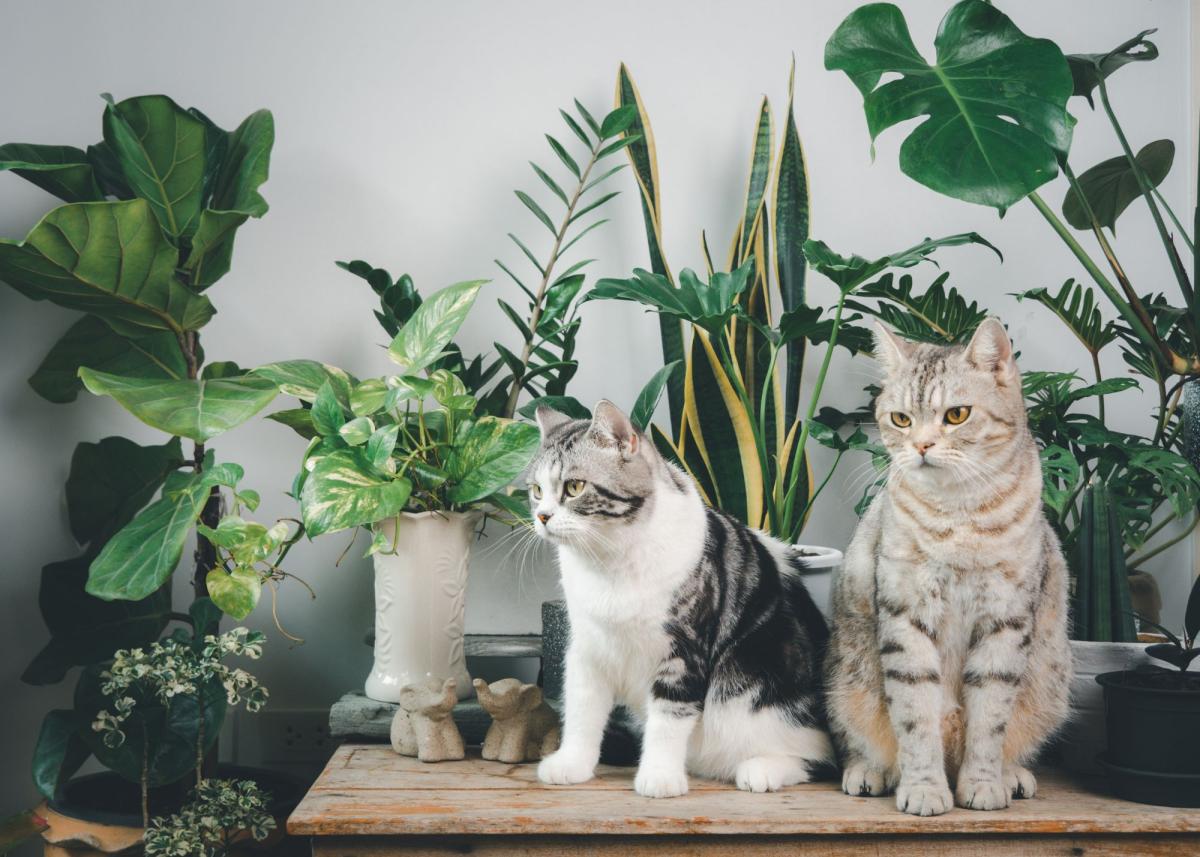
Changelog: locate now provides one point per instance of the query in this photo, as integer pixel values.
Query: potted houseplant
(148, 227)
(740, 388)
(1156, 711)
(1019, 88)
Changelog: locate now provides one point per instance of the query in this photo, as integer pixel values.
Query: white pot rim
(437, 513)
(818, 557)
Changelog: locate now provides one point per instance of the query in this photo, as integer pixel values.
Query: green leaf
(1087, 70)
(491, 455)
(141, 556)
(529, 203)
(1191, 616)
(236, 592)
(303, 378)
(59, 752)
(235, 197)
(850, 272)
(327, 415)
(64, 171)
(111, 480)
(618, 121)
(760, 171)
(937, 315)
(1060, 475)
(709, 306)
(92, 343)
(806, 323)
(161, 148)
(1075, 306)
(647, 400)
(107, 258)
(1110, 186)
(368, 397)
(380, 446)
(567, 160)
(86, 630)
(995, 100)
(549, 182)
(298, 420)
(575, 128)
(344, 490)
(421, 341)
(567, 405)
(198, 410)
(358, 431)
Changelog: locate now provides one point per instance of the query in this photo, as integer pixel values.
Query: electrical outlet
(295, 736)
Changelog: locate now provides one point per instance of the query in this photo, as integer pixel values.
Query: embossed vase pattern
(420, 603)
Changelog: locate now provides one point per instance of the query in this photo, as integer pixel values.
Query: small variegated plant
(219, 813)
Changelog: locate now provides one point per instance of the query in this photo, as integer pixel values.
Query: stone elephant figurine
(524, 728)
(424, 726)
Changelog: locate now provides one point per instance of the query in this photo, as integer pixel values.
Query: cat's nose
(544, 517)
(923, 446)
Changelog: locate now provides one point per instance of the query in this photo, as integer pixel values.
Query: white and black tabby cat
(698, 624)
(949, 659)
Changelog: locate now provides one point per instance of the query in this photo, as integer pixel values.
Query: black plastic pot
(1154, 737)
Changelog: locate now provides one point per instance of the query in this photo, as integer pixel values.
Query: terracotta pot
(420, 602)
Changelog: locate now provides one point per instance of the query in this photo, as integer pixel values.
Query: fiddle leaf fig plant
(148, 226)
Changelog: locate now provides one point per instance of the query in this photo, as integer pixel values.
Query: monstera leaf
(994, 101)
(107, 258)
(1088, 70)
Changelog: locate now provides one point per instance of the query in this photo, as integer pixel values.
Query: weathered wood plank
(761, 846)
(370, 791)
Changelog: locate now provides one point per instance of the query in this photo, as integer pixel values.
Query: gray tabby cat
(949, 651)
(698, 624)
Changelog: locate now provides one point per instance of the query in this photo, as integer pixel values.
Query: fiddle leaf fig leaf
(59, 753)
(199, 410)
(994, 102)
(162, 151)
(107, 258)
(1110, 186)
(64, 171)
(111, 480)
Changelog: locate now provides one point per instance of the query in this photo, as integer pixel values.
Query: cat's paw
(973, 793)
(923, 798)
(565, 768)
(760, 774)
(862, 779)
(1020, 781)
(660, 781)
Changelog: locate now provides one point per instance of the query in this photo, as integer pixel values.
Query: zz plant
(148, 227)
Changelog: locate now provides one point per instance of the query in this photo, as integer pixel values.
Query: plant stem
(514, 393)
(1171, 214)
(145, 778)
(1096, 369)
(1147, 193)
(1171, 542)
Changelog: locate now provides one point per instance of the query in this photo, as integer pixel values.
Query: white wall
(402, 129)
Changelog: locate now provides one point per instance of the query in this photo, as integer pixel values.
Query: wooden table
(369, 802)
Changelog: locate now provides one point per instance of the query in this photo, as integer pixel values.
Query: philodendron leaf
(236, 592)
(491, 455)
(344, 490)
(357, 431)
(568, 405)
(198, 410)
(92, 343)
(112, 479)
(235, 197)
(59, 752)
(107, 258)
(1087, 70)
(298, 420)
(433, 325)
(64, 171)
(1110, 186)
(161, 149)
(303, 379)
(140, 558)
(995, 101)
(380, 445)
(327, 414)
(849, 272)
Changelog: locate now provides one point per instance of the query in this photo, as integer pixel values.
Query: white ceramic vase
(420, 602)
(819, 566)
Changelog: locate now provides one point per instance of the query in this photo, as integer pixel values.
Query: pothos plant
(412, 441)
(739, 420)
(148, 227)
(542, 362)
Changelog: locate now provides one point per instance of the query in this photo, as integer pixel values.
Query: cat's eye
(536, 491)
(574, 487)
(900, 419)
(957, 415)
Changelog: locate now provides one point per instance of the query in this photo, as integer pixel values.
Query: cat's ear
(890, 350)
(549, 419)
(991, 350)
(610, 421)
